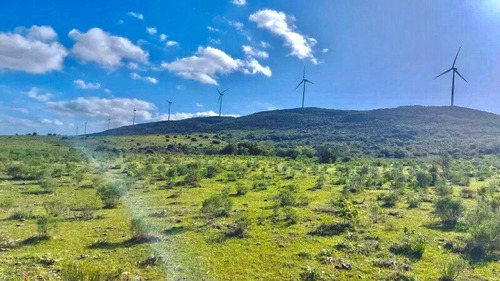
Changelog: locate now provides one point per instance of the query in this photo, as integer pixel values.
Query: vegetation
(383, 205)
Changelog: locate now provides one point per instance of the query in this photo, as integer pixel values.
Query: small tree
(42, 224)
(424, 179)
(453, 269)
(448, 210)
(111, 193)
(140, 228)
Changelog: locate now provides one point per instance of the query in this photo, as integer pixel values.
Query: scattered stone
(19, 224)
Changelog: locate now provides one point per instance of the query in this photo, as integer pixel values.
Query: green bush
(111, 193)
(287, 196)
(448, 210)
(443, 189)
(55, 208)
(414, 201)
(192, 178)
(290, 215)
(390, 199)
(411, 245)
(48, 184)
(218, 205)
(453, 269)
(42, 224)
(423, 178)
(485, 238)
(345, 210)
(239, 228)
(241, 190)
(140, 228)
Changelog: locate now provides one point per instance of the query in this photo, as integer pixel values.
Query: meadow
(159, 207)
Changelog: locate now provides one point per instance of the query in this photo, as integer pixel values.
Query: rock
(19, 224)
(281, 245)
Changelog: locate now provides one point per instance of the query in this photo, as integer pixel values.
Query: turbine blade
(224, 91)
(443, 73)
(299, 85)
(460, 75)
(308, 81)
(218, 90)
(456, 56)
(304, 73)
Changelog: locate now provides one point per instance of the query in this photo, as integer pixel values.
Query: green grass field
(271, 231)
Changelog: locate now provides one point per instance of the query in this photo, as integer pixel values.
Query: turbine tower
(85, 129)
(133, 120)
(77, 130)
(219, 102)
(303, 83)
(455, 70)
(169, 106)
(109, 122)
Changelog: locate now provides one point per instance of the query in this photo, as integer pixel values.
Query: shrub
(111, 193)
(55, 208)
(411, 245)
(218, 205)
(485, 238)
(291, 216)
(375, 213)
(448, 210)
(47, 184)
(287, 196)
(424, 179)
(389, 199)
(192, 178)
(460, 178)
(313, 274)
(239, 228)
(467, 193)
(241, 189)
(140, 228)
(346, 211)
(84, 272)
(414, 201)
(453, 269)
(443, 189)
(42, 224)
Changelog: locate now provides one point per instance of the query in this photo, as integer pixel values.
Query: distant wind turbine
(303, 83)
(219, 102)
(85, 129)
(169, 106)
(455, 70)
(77, 130)
(133, 120)
(109, 122)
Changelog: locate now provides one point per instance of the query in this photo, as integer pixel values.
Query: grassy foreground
(117, 208)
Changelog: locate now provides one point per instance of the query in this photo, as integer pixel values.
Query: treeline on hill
(409, 131)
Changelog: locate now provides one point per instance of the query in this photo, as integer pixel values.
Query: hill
(395, 132)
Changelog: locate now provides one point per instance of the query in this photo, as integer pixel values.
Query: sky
(64, 63)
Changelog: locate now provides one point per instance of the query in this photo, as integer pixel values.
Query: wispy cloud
(34, 94)
(136, 15)
(136, 76)
(86, 85)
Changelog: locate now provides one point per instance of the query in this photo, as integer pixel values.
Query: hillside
(395, 132)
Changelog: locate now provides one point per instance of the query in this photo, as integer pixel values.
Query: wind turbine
(133, 120)
(85, 129)
(77, 130)
(109, 122)
(455, 70)
(303, 83)
(169, 105)
(221, 94)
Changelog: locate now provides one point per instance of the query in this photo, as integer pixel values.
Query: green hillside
(396, 132)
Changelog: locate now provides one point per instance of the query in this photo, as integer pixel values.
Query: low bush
(218, 205)
(453, 269)
(411, 245)
(111, 193)
(448, 210)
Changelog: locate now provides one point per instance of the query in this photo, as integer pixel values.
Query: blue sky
(63, 63)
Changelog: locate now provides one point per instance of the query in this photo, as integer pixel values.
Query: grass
(187, 240)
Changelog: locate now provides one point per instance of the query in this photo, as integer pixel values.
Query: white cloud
(239, 2)
(119, 109)
(251, 51)
(280, 24)
(136, 15)
(33, 50)
(171, 43)
(199, 105)
(208, 63)
(84, 85)
(325, 50)
(236, 24)
(149, 79)
(33, 93)
(105, 49)
(21, 109)
(183, 115)
(264, 44)
(107, 91)
(151, 30)
(214, 41)
(213, 29)
(163, 37)
(180, 87)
